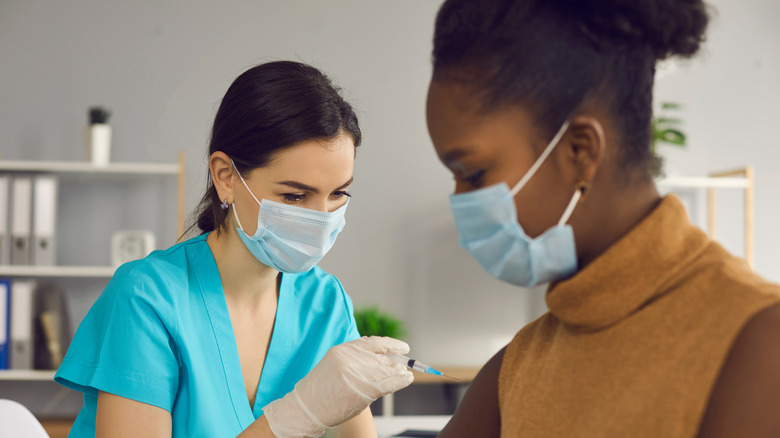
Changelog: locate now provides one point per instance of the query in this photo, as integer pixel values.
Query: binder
(5, 233)
(44, 220)
(5, 321)
(22, 301)
(21, 210)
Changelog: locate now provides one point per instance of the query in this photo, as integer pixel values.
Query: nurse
(237, 332)
(541, 109)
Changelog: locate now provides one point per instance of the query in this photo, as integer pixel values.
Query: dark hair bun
(669, 27)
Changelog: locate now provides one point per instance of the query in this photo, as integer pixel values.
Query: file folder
(44, 220)
(22, 302)
(5, 232)
(21, 210)
(5, 321)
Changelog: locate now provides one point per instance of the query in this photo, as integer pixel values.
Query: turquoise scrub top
(160, 333)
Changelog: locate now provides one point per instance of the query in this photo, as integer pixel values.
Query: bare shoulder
(746, 396)
(478, 414)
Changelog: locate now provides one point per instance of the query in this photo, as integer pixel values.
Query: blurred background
(162, 67)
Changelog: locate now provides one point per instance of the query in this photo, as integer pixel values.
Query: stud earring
(224, 205)
(583, 187)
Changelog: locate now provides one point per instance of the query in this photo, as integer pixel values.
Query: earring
(583, 187)
(224, 205)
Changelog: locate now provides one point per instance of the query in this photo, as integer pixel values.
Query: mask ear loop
(540, 160)
(578, 195)
(247, 189)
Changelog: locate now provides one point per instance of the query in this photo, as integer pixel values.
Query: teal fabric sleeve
(124, 346)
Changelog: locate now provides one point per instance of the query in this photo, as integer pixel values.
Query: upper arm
(746, 396)
(119, 417)
(478, 414)
(361, 426)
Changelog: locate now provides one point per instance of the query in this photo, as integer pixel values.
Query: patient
(541, 109)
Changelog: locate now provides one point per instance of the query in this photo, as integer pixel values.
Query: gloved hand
(343, 384)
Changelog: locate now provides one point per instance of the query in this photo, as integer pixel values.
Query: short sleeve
(124, 346)
(350, 325)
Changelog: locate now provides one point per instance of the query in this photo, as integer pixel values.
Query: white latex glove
(343, 384)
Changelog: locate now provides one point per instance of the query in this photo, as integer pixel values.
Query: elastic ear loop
(540, 160)
(247, 189)
(578, 194)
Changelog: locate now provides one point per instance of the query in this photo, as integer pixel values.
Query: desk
(389, 426)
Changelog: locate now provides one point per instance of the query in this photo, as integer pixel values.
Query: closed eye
(474, 179)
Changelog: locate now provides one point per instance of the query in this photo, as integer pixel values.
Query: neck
(244, 278)
(616, 214)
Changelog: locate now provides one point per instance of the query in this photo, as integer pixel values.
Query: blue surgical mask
(288, 238)
(486, 220)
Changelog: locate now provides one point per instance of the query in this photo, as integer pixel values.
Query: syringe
(418, 366)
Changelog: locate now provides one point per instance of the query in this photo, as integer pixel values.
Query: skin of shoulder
(478, 413)
(746, 396)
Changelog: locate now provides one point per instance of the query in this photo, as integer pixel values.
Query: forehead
(457, 121)
(314, 159)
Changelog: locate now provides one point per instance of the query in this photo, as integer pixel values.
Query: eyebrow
(308, 188)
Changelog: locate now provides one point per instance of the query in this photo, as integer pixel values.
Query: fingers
(395, 382)
(382, 345)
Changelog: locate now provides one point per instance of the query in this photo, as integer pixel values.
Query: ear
(221, 170)
(587, 146)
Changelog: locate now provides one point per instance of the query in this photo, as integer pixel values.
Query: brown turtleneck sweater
(634, 342)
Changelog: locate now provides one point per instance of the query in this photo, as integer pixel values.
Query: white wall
(162, 67)
(731, 94)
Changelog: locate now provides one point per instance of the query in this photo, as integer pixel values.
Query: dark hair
(268, 108)
(553, 55)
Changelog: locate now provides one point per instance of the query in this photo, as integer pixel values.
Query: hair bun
(669, 27)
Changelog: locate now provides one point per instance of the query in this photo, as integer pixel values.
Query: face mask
(291, 239)
(487, 225)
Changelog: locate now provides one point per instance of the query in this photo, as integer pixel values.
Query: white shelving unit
(97, 272)
(86, 167)
(27, 375)
(734, 179)
(57, 271)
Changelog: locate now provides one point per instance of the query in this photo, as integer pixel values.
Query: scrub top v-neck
(161, 334)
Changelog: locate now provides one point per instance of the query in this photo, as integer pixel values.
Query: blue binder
(5, 321)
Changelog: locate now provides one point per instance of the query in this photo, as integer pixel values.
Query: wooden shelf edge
(462, 374)
(703, 182)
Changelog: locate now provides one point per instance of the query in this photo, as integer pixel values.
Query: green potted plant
(666, 130)
(373, 322)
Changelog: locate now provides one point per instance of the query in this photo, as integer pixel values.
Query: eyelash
(475, 178)
(292, 198)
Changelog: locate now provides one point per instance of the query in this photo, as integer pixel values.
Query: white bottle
(98, 137)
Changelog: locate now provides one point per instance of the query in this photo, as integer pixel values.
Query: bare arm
(477, 414)
(120, 417)
(746, 397)
(362, 426)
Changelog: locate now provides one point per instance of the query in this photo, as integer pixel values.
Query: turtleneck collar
(631, 272)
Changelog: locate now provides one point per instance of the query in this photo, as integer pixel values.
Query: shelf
(27, 375)
(57, 271)
(87, 167)
(703, 182)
